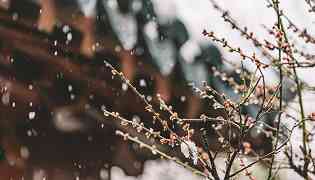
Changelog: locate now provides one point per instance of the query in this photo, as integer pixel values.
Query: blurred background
(55, 82)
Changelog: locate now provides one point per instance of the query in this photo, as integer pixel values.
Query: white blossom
(189, 149)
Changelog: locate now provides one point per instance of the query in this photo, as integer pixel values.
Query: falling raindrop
(91, 96)
(29, 133)
(124, 87)
(149, 98)
(103, 174)
(70, 88)
(15, 16)
(117, 48)
(69, 36)
(30, 87)
(142, 83)
(72, 96)
(24, 152)
(31, 115)
(6, 98)
(66, 28)
(217, 105)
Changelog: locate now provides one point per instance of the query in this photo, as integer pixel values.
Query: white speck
(135, 120)
(189, 149)
(64, 120)
(124, 87)
(221, 139)
(69, 36)
(103, 174)
(31, 104)
(87, 106)
(56, 53)
(149, 98)
(24, 152)
(29, 133)
(15, 16)
(183, 98)
(91, 96)
(217, 105)
(93, 47)
(103, 108)
(70, 88)
(66, 28)
(72, 96)
(13, 104)
(143, 83)
(6, 98)
(31, 115)
(30, 87)
(117, 48)
(39, 174)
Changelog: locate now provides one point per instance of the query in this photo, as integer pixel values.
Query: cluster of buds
(247, 172)
(247, 148)
(224, 43)
(171, 141)
(243, 31)
(305, 55)
(312, 116)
